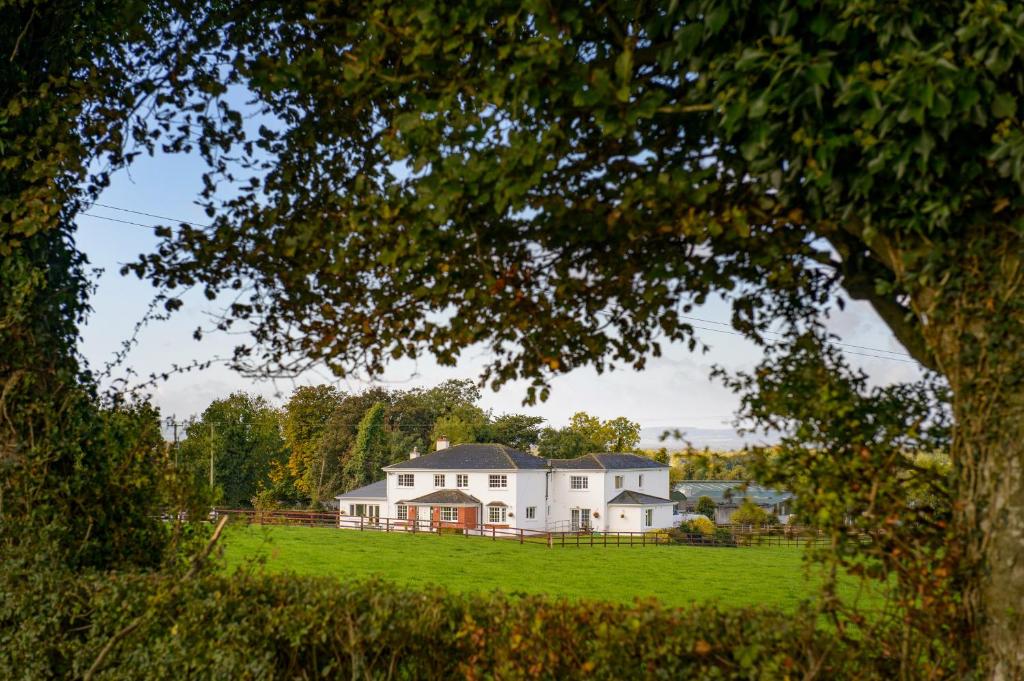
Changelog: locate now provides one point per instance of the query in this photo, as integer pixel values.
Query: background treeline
(324, 441)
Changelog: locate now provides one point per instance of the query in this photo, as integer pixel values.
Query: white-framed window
(496, 514)
(618, 482)
(578, 482)
(438, 479)
(641, 484)
(406, 479)
(531, 512)
(402, 511)
(497, 481)
(462, 480)
(449, 514)
(648, 517)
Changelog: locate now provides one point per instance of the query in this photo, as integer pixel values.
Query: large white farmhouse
(473, 485)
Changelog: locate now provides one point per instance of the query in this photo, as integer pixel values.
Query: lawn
(675, 575)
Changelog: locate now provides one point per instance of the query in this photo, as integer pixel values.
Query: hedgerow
(255, 626)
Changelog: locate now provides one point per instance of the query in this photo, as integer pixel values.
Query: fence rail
(493, 532)
(727, 535)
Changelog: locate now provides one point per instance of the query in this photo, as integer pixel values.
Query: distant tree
(243, 434)
(749, 513)
(368, 452)
(563, 443)
(621, 435)
(706, 506)
(661, 455)
(465, 423)
(304, 420)
(586, 433)
(515, 430)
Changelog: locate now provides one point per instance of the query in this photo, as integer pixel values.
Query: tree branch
(860, 273)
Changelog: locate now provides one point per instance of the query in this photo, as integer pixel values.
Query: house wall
(563, 498)
(624, 519)
(530, 491)
(655, 482)
(345, 504)
(602, 490)
(631, 518)
(549, 491)
(423, 483)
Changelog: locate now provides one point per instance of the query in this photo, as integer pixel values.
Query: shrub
(704, 526)
(293, 627)
(749, 514)
(706, 506)
(724, 536)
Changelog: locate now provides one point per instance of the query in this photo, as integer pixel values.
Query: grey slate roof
(445, 496)
(472, 457)
(375, 490)
(607, 461)
(631, 498)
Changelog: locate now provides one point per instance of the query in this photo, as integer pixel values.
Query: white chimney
(414, 453)
(442, 443)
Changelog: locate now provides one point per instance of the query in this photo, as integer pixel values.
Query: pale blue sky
(673, 391)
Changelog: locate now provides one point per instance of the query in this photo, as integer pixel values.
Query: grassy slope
(675, 575)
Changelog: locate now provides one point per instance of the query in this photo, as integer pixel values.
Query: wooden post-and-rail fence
(735, 536)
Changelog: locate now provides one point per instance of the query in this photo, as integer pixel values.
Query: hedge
(256, 626)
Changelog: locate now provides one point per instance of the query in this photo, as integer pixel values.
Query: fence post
(643, 539)
(549, 540)
(360, 523)
(494, 533)
(520, 535)
(387, 525)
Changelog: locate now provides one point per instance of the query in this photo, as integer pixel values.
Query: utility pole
(175, 445)
(211, 457)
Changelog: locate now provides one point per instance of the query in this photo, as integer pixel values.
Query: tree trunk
(989, 451)
(976, 329)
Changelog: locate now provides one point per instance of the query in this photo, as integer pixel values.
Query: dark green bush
(248, 626)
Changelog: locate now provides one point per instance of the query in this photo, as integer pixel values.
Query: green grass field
(675, 575)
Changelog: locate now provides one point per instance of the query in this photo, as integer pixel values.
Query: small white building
(490, 485)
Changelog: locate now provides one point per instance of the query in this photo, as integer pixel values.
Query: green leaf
(407, 121)
(1004, 106)
(624, 66)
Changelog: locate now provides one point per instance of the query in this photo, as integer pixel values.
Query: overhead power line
(123, 222)
(771, 333)
(149, 215)
(900, 356)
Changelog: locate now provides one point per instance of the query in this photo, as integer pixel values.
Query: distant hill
(712, 438)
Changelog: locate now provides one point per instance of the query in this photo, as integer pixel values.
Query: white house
(491, 485)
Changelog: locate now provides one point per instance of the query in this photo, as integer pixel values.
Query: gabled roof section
(472, 457)
(606, 461)
(375, 490)
(446, 497)
(631, 498)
